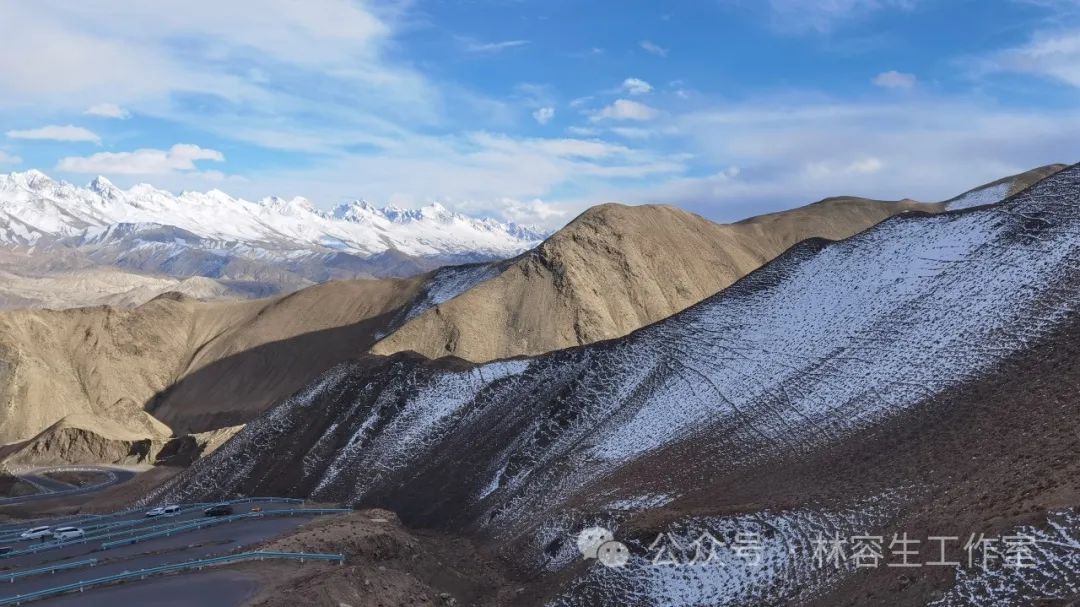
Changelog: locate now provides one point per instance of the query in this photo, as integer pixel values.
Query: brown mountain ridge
(201, 366)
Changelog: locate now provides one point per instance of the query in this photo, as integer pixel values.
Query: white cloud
(110, 49)
(474, 46)
(532, 212)
(1054, 55)
(544, 115)
(475, 172)
(636, 86)
(583, 131)
(108, 110)
(6, 158)
(148, 161)
(653, 48)
(893, 79)
(829, 169)
(56, 133)
(927, 149)
(625, 109)
(632, 132)
(865, 165)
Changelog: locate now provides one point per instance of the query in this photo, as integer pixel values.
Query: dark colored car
(219, 510)
(6, 549)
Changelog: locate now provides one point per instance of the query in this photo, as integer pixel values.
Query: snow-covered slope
(828, 341)
(35, 209)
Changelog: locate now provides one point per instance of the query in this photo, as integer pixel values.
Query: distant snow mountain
(37, 211)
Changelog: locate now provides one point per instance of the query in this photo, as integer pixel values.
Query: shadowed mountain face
(195, 366)
(615, 269)
(831, 391)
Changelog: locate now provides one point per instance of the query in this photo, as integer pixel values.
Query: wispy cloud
(893, 79)
(651, 47)
(544, 115)
(56, 133)
(6, 158)
(786, 150)
(1054, 55)
(625, 109)
(108, 110)
(636, 86)
(148, 161)
(474, 46)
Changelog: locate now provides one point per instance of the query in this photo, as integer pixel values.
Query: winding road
(225, 586)
(49, 488)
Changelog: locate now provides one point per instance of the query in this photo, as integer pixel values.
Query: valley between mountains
(848, 367)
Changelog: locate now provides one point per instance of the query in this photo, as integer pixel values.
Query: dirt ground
(11, 486)
(77, 478)
(386, 565)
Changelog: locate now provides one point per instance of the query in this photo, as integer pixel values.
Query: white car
(68, 533)
(36, 533)
(163, 511)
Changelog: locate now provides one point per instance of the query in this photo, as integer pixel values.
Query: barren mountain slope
(615, 269)
(276, 351)
(223, 361)
(89, 439)
(104, 286)
(836, 390)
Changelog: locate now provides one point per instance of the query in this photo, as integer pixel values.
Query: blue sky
(534, 110)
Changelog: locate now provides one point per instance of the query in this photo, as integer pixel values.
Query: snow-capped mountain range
(36, 210)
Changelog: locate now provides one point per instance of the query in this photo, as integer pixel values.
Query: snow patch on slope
(988, 195)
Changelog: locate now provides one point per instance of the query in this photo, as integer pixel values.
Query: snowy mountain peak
(34, 206)
(104, 187)
(28, 180)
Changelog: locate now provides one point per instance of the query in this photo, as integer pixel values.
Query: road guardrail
(186, 508)
(14, 575)
(142, 574)
(220, 520)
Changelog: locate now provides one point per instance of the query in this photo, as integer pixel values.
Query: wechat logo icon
(599, 543)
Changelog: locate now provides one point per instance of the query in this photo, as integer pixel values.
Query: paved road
(212, 588)
(50, 489)
(89, 549)
(200, 544)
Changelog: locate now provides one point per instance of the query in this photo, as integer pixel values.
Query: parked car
(219, 510)
(68, 533)
(6, 549)
(36, 533)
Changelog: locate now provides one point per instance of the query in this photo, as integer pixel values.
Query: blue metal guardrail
(142, 574)
(10, 532)
(14, 575)
(220, 520)
(108, 531)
